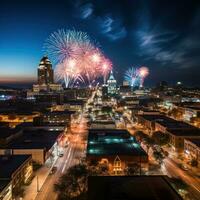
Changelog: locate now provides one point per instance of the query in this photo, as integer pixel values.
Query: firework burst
(136, 76)
(132, 76)
(76, 57)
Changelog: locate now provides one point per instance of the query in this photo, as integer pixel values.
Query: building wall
(146, 123)
(125, 160)
(38, 155)
(22, 175)
(192, 150)
(6, 193)
(177, 142)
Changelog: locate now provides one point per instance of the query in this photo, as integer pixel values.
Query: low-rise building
(15, 170)
(192, 148)
(177, 137)
(54, 118)
(115, 148)
(5, 190)
(103, 124)
(40, 143)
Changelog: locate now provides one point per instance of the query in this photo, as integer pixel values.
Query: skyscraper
(45, 80)
(112, 84)
(45, 72)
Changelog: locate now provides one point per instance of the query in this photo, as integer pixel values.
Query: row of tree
(157, 138)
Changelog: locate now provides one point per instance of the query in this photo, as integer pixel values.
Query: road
(72, 156)
(171, 169)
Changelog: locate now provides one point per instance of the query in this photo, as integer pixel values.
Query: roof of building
(6, 132)
(130, 187)
(3, 184)
(66, 112)
(195, 132)
(112, 142)
(35, 139)
(167, 122)
(9, 164)
(156, 117)
(175, 124)
(195, 141)
(111, 77)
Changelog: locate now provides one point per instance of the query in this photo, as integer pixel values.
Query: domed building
(112, 84)
(45, 80)
(45, 71)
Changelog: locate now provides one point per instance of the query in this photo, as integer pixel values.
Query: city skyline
(164, 37)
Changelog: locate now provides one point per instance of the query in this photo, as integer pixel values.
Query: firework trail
(106, 67)
(143, 72)
(68, 72)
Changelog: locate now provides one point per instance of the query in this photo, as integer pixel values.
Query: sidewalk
(37, 182)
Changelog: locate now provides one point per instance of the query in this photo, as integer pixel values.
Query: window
(117, 167)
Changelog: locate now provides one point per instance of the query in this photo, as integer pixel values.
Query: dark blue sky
(162, 35)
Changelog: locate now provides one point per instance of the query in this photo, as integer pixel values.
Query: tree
(18, 191)
(175, 113)
(194, 163)
(158, 156)
(140, 135)
(178, 183)
(132, 169)
(73, 184)
(149, 142)
(160, 138)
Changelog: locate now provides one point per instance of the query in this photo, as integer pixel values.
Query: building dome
(45, 71)
(45, 60)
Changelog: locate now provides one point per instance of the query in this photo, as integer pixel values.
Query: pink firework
(69, 72)
(106, 67)
(143, 73)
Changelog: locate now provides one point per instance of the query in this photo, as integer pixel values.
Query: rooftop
(185, 132)
(66, 112)
(112, 142)
(9, 164)
(195, 141)
(167, 122)
(6, 132)
(3, 184)
(129, 188)
(35, 139)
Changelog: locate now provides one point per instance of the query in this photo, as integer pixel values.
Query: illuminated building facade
(46, 77)
(16, 170)
(45, 71)
(115, 148)
(112, 84)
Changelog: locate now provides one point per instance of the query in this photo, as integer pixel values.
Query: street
(172, 170)
(72, 156)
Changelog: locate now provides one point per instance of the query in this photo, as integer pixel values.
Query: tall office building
(112, 85)
(45, 80)
(45, 71)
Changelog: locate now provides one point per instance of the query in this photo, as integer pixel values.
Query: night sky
(162, 35)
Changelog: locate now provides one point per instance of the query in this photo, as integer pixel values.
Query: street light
(37, 185)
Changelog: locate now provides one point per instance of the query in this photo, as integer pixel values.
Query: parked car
(53, 170)
(61, 154)
(185, 168)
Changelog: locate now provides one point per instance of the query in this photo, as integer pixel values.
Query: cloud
(86, 10)
(112, 28)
